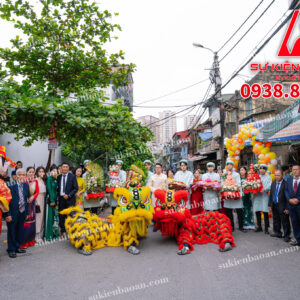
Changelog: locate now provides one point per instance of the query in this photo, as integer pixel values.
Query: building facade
(167, 126)
(153, 124)
(189, 121)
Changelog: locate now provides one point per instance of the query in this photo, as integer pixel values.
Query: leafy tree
(128, 153)
(64, 46)
(62, 63)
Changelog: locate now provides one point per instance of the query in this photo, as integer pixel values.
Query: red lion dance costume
(172, 218)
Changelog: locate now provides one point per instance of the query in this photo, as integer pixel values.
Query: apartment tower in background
(167, 126)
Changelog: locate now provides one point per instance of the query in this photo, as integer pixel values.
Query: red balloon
(268, 144)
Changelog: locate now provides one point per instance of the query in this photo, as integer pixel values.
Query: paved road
(57, 271)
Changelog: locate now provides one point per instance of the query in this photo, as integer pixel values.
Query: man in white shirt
(122, 173)
(211, 197)
(184, 175)
(158, 181)
(147, 164)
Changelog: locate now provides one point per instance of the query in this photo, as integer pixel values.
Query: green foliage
(64, 46)
(128, 153)
(63, 55)
(96, 171)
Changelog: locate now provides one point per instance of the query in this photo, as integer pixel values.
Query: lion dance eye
(158, 202)
(147, 201)
(181, 203)
(123, 201)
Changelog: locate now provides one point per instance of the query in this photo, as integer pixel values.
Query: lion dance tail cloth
(172, 218)
(130, 221)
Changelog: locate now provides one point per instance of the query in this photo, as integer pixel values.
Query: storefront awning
(205, 136)
(196, 158)
(291, 132)
(280, 122)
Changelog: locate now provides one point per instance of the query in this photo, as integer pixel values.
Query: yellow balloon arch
(262, 149)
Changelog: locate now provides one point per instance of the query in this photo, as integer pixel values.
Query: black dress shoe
(287, 239)
(295, 244)
(276, 235)
(21, 250)
(266, 231)
(242, 230)
(258, 229)
(12, 254)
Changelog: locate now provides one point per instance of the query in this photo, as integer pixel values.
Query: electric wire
(248, 30)
(240, 26)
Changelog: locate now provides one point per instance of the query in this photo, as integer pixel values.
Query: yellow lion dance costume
(130, 221)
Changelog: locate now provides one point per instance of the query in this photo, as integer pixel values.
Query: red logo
(284, 51)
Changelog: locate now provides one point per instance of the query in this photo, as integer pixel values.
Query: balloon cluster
(262, 149)
(237, 143)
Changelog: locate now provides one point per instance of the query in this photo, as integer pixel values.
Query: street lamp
(216, 79)
(201, 46)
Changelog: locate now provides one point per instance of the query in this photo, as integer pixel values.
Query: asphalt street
(57, 271)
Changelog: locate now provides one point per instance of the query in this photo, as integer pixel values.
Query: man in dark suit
(67, 188)
(292, 193)
(279, 206)
(18, 210)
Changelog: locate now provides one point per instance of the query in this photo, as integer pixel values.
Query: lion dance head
(170, 210)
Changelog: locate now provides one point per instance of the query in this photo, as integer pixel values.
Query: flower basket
(253, 183)
(177, 185)
(95, 195)
(230, 189)
(94, 179)
(209, 184)
(114, 180)
(110, 189)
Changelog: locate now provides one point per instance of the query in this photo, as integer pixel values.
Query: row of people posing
(32, 210)
(261, 203)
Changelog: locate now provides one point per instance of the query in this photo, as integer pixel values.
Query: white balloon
(274, 162)
(254, 132)
(237, 157)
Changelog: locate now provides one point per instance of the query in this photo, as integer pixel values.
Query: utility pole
(218, 95)
(215, 78)
(237, 117)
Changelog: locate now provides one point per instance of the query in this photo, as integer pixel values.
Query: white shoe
(184, 250)
(133, 250)
(81, 251)
(226, 248)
